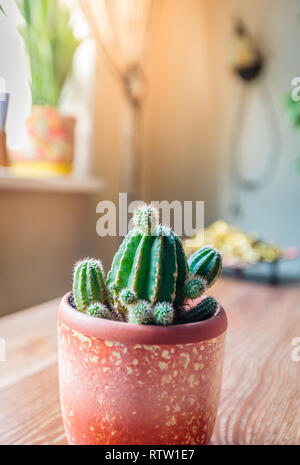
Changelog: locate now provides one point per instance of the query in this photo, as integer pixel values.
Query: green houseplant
(150, 279)
(141, 350)
(50, 46)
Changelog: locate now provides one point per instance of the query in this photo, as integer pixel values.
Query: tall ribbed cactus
(150, 262)
(206, 263)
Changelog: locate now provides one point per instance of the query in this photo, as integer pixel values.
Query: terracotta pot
(128, 384)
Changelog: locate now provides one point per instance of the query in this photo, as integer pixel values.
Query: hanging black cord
(271, 163)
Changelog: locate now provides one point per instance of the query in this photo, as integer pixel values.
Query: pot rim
(127, 333)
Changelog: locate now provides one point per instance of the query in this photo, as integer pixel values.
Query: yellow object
(39, 169)
(244, 54)
(235, 245)
(244, 49)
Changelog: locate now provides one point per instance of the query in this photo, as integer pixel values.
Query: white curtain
(125, 30)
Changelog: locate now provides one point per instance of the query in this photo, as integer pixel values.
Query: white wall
(191, 107)
(274, 211)
(13, 70)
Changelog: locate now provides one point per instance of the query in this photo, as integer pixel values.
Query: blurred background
(163, 99)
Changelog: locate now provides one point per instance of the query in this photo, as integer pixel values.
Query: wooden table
(261, 384)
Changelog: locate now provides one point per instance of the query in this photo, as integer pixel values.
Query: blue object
(4, 99)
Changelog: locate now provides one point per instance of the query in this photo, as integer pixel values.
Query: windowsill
(66, 184)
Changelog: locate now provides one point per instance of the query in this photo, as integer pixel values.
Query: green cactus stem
(194, 287)
(153, 266)
(163, 314)
(204, 310)
(140, 313)
(116, 299)
(89, 284)
(146, 219)
(102, 311)
(206, 263)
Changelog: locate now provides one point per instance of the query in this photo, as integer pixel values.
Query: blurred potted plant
(141, 352)
(50, 45)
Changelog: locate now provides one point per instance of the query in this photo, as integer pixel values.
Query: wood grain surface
(261, 383)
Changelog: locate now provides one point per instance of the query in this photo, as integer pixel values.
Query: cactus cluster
(150, 280)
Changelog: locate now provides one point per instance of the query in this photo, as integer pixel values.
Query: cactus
(146, 219)
(206, 263)
(102, 311)
(149, 281)
(204, 310)
(140, 313)
(150, 262)
(194, 287)
(127, 297)
(89, 284)
(163, 313)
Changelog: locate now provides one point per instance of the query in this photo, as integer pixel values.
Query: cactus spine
(206, 263)
(204, 310)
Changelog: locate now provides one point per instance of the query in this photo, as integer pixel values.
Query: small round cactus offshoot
(163, 313)
(146, 219)
(140, 313)
(194, 287)
(102, 311)
(127, 297)
(99, 310)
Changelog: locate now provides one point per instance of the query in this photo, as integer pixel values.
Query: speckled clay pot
(129, 384)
